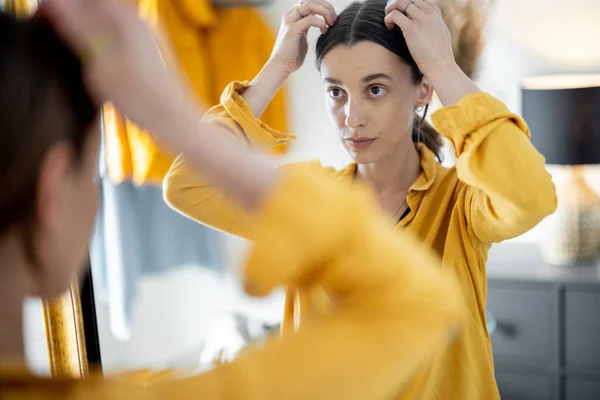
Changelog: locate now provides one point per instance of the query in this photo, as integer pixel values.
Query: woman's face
(66, 210)
(371, 97)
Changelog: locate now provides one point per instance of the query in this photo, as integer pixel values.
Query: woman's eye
(376, 91)
(335, 93)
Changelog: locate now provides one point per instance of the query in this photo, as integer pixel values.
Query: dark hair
(364, 21)
(42, 102)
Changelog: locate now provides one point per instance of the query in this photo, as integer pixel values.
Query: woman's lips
(359, 144)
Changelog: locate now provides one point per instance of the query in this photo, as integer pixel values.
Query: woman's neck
(12, 296)
(394, 173)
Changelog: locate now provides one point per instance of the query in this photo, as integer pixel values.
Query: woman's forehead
(360, 62)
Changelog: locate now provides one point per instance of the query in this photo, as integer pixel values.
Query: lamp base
(572, 233)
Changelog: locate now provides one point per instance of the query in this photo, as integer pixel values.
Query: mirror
(162, 285)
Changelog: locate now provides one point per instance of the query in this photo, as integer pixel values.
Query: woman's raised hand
(425, 31)
(291, 46)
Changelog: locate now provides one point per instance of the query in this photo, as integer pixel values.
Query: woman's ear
(53, 176)
(425, 92)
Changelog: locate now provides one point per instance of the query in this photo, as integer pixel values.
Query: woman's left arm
(510, 190)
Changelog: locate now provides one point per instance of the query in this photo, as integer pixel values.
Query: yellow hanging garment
(213, 47)
(242, 34)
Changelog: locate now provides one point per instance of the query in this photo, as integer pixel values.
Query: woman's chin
(366, 156)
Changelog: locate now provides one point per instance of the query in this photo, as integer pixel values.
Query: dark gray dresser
(545, 326)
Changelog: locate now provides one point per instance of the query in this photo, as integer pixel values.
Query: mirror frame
(65, 334)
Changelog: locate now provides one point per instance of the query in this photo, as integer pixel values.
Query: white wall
(530, 37)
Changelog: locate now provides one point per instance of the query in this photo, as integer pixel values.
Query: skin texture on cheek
(370, 95)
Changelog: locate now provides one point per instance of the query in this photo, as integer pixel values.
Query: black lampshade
(563, 114)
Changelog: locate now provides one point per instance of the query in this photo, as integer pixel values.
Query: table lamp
(563, 114)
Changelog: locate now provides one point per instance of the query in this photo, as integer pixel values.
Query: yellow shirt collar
(424, 181)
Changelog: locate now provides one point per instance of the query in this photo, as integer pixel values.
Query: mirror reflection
(159, 277)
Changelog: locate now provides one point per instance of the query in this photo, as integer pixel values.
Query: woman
(380, 65)
(48, 156)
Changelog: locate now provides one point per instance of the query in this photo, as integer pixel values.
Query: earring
(420, 121)
(419, 131)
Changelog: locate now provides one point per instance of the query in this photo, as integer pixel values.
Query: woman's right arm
(242, 104)
(289, 51)
(191, 192)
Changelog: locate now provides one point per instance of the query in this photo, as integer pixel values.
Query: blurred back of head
(43, 104)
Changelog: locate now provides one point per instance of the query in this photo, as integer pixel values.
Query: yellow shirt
(499, 189)
(384, 321)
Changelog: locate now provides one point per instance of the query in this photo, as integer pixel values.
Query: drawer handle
(500, 327)
(490, 322)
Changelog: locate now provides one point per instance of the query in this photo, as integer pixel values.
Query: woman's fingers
(430, 5)
(312, 20)
(395, 17)
(329, 7)
(410, 8)
(304, 9)
(315, 7)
